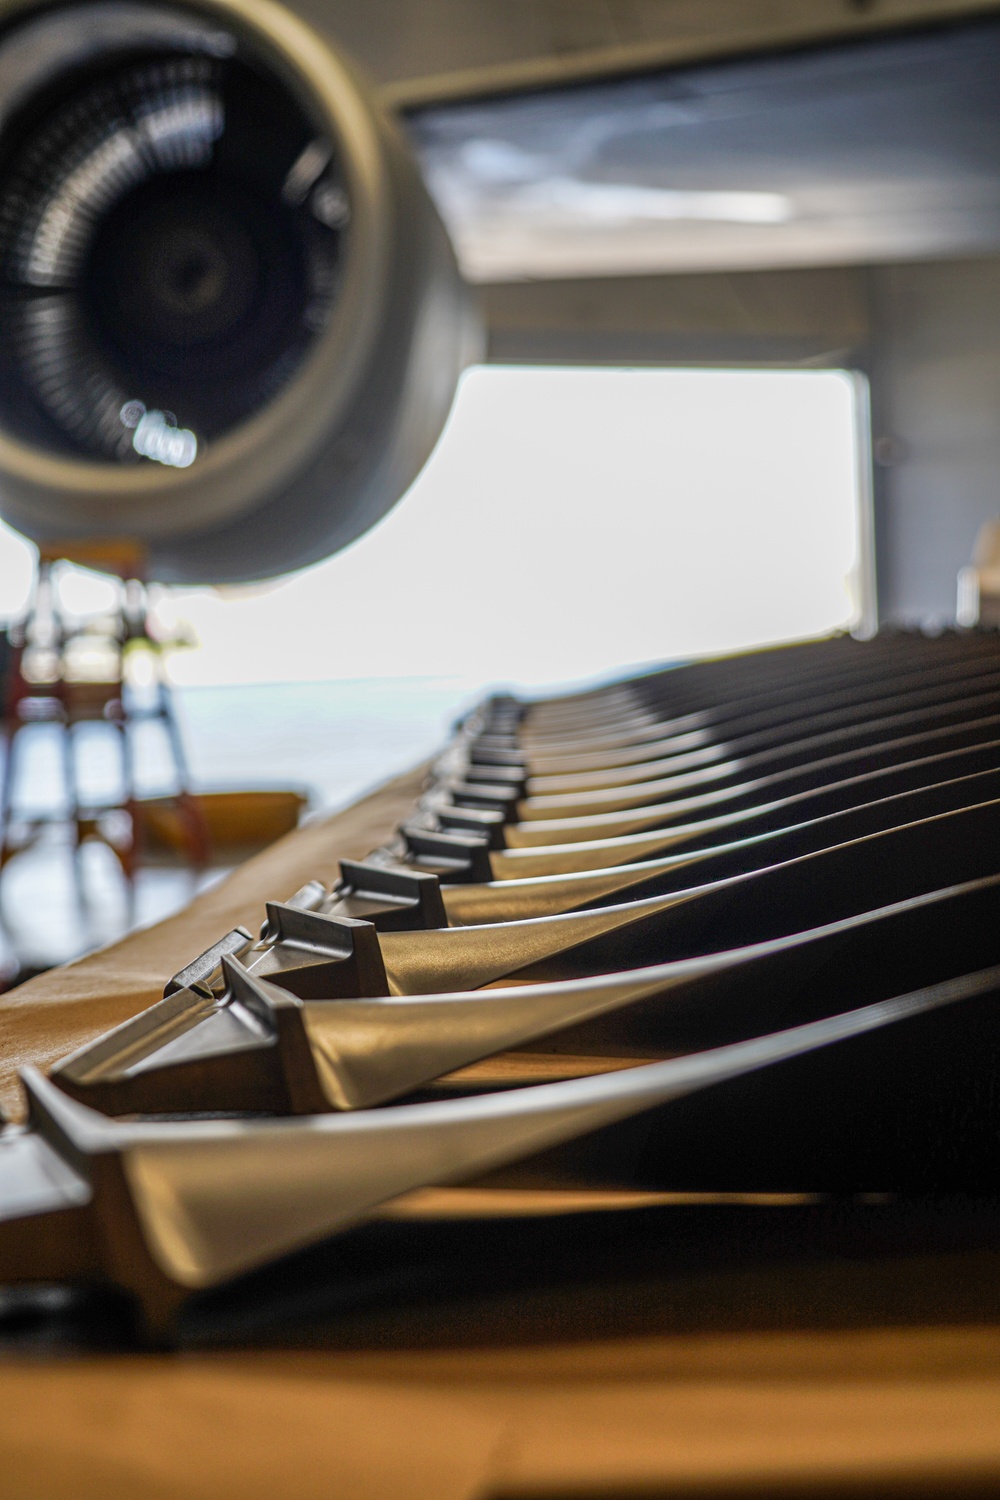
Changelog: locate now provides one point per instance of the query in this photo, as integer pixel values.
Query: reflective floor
(334, 739)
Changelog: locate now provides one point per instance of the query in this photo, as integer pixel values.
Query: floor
(333, 739)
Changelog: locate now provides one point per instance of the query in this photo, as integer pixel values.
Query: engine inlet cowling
(232, 321)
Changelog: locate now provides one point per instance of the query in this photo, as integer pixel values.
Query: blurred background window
(571, 522)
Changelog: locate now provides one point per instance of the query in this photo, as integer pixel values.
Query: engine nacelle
(232, 322)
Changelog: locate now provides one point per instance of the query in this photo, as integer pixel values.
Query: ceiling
(425, 51)
(881, 150)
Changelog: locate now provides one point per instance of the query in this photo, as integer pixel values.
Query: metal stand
(66, 672)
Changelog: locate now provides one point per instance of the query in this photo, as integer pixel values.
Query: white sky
(570, 522)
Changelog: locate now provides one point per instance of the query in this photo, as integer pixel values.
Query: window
(573, 522)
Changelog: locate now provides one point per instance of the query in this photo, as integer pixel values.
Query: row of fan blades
(732, 926)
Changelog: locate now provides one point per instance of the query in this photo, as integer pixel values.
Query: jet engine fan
(231, 323)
